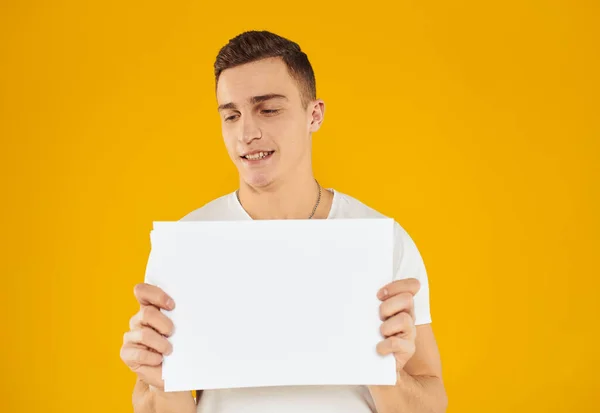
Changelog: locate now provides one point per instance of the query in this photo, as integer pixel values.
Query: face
(266, 129)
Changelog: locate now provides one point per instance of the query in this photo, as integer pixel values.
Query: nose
(250, 130)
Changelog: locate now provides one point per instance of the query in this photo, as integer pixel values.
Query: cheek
(288, 132)
(230, 142)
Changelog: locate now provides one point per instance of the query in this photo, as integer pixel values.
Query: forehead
(262, 77)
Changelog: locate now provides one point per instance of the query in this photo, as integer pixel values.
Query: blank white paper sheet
(273, 302)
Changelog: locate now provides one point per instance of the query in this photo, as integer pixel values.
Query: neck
(293, 199)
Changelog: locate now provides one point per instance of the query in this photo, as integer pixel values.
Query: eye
(231, 118)
(270, 111)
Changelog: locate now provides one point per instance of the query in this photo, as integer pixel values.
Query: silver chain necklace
(237, 194)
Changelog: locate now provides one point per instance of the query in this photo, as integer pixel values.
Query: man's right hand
(146, 342)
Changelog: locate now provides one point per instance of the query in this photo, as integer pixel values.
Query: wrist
(148, 393)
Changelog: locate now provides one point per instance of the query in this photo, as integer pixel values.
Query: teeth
(255, 156)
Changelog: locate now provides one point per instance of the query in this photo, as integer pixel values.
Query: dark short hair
(254, 45)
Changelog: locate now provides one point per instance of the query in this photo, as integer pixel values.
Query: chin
(258, 180)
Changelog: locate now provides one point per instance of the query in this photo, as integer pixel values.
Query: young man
(268, 108)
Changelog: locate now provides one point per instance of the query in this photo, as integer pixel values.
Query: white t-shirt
(301, 399)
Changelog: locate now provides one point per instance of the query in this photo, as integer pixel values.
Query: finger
(396, 344)
(146, 336)
(396, 304)
(150, 316)
(407, 285)
(147, 294)
(135, 356)
(401, 325)
(151, 375)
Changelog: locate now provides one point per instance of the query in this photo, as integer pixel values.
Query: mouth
(257, 156)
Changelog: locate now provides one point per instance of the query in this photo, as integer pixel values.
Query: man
(268, 108)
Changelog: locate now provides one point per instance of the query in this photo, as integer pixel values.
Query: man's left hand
(398, 316)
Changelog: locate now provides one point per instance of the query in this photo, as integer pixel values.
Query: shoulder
(351, 207)
(405, 249)
(217, 209)
(347, 206)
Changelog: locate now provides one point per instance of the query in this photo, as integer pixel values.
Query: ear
(317, 108)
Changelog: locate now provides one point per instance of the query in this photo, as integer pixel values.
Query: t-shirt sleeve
(408, 263)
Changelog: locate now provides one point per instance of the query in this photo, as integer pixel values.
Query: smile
(257, 156)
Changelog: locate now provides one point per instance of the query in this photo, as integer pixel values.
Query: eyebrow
(254, 100)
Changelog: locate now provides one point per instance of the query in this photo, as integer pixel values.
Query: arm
(419, 387)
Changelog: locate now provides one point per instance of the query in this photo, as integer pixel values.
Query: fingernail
(383, 293)
(170, 303)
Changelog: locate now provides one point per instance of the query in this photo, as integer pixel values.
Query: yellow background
(474, 125)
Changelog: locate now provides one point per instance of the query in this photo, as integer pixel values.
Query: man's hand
(146, 342)
(398, 316)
